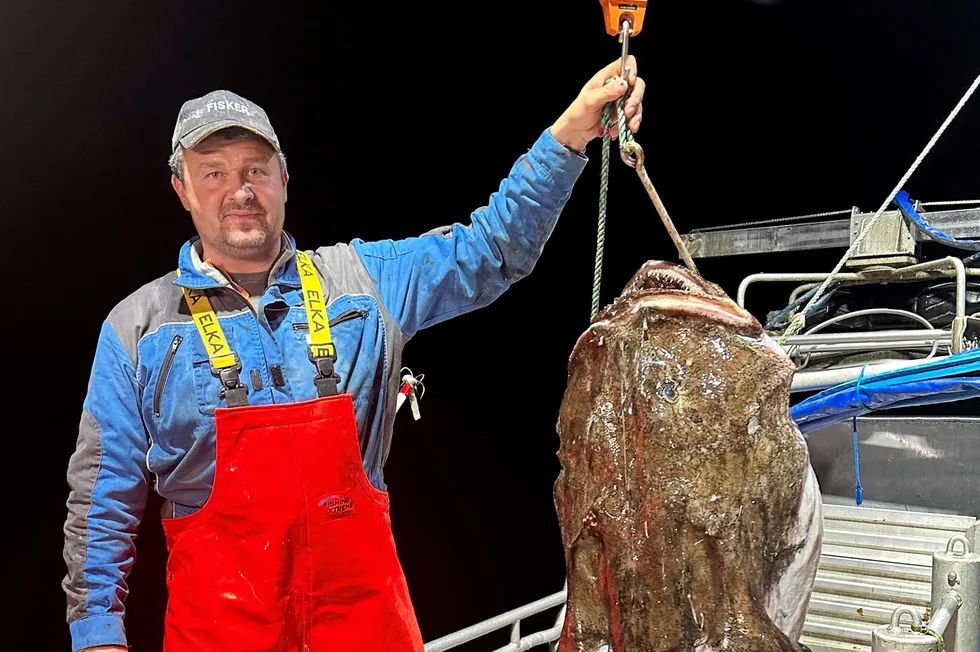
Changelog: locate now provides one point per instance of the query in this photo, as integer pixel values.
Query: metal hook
(625, 27)
(959, 538)
(634, 148)
(896, 619)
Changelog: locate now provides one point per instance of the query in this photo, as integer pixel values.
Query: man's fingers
(594, 99)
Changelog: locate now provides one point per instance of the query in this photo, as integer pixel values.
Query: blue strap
(908, 210)
(857, 387)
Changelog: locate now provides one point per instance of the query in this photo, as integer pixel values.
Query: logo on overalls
(337, 506)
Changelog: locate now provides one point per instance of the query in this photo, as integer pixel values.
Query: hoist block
(615, 12)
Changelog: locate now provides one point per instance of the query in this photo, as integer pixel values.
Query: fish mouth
(671, 288)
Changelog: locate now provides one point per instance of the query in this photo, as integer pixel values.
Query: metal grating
(872, 561)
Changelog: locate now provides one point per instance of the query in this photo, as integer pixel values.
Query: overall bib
(293, 550)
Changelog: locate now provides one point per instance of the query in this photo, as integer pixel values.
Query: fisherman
(254, 388)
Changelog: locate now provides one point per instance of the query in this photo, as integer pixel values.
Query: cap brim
(196, 136)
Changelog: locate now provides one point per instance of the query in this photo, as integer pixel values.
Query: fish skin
(689, 512)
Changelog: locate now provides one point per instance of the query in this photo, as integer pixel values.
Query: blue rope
(858, 489)
(908, 210)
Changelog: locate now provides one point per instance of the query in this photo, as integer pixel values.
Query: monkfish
(689, 512)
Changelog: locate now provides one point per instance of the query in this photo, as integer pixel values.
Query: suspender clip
(233, 391)
(326, 378)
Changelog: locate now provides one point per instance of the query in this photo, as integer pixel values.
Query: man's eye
(214, 175)
(256, 171)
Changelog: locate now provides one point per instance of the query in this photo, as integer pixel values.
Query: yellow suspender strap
(225, 365)
(219, 352)
(322, 353)
(316, 312)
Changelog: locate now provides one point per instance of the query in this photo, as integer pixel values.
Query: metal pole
(781, 276)
(957, 572)
(914, 335)
(958, 327)
(948, 605)
(805, 381)
(949, 261)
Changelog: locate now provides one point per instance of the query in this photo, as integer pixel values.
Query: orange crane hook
(623, 19)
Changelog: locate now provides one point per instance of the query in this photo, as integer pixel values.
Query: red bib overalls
(293, 551)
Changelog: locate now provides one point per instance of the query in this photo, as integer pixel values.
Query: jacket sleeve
(108, 482)
(446, 272)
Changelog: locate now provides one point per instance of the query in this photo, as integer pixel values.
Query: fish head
(670, 289)
(675, 360)
(692, 340)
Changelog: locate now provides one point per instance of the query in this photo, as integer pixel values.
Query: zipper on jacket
(347, 315)
(164, 372)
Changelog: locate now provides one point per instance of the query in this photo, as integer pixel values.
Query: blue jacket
(148, 416)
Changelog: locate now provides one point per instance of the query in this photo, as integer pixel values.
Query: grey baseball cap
(202, 116)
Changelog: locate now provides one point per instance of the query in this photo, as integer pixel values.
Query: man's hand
(582, 121)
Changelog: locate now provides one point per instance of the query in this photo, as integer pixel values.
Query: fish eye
(667, 390)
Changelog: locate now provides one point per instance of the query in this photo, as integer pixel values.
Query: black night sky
(399, 117)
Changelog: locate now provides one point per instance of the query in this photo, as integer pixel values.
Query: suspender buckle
(326, 379)
(233, 391)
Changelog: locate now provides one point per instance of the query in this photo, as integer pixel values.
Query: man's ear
(181, 191)
(285, 181)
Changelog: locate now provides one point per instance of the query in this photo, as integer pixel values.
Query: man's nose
(244, 193)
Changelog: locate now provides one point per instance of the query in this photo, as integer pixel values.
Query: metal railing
(511, 619)
(812, 346)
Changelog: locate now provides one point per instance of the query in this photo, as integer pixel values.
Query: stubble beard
(246, 238)
(253, 235)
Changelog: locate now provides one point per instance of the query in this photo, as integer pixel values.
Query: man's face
(236, 194)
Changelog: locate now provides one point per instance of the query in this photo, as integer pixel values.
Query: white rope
(799, 320)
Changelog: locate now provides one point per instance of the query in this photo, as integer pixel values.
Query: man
(255, 386)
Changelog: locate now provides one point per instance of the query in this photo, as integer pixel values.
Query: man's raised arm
(430, 278)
